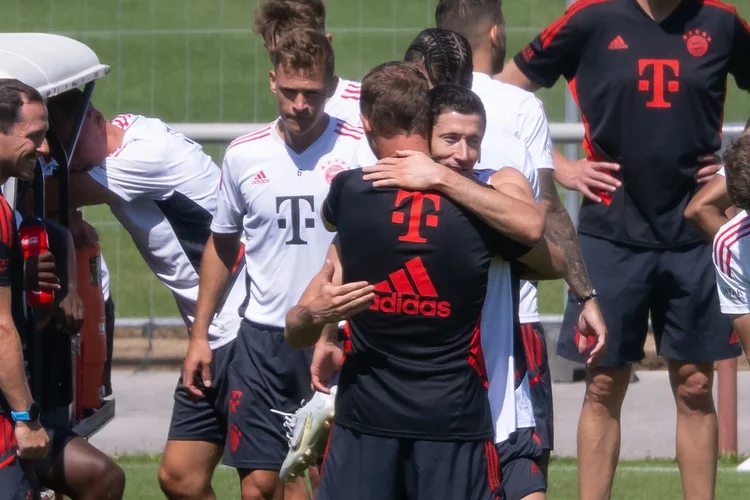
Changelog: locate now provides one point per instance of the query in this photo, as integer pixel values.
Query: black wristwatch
(32, 414)
(583, 300)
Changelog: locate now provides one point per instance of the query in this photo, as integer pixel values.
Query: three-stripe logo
(416, 296)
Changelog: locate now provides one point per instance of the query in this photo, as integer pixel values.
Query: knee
(260, 487)
(605, 392)
(108, 480)
(176, 485)
(693, 393)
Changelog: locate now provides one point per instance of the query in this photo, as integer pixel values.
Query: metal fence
(222, 133)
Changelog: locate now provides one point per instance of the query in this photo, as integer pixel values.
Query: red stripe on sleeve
(548, 35)
(727, 7)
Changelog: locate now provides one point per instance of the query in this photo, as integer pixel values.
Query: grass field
(197, 60)
(644, 480)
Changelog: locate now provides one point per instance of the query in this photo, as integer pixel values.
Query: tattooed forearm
(559, 230)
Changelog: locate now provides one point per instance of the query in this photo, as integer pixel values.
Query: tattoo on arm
(561, 232)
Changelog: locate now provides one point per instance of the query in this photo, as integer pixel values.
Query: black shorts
(265, 374)
(540, 382)
(17, 479)
(520, 465)
(60, 435)
(369, 467)
(677, 287)
(204, 419)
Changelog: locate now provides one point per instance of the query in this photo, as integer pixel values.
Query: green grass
(196, 60)
(641, 480)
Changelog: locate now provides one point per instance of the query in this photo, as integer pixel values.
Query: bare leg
(599, 431)
(187, 468)
(82, 472)
(697, 428)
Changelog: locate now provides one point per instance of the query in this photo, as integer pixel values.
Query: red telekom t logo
(658, 80)
(415, 214)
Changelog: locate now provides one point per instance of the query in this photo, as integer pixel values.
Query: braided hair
(445, 55)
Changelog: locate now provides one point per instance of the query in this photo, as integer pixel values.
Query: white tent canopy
(50, 63)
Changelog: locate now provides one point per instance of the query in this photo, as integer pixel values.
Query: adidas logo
(618, 44)
(402, 298)
(260, 178)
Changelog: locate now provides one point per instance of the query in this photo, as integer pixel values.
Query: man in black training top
(412, 415)
(650, 78)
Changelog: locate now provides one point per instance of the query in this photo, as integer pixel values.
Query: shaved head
(470, 18)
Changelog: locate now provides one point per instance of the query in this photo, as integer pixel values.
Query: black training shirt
(651, 97)
(409, 372)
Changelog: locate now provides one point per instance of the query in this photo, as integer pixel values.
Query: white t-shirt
(510, 404)
(104, 277)
(344, 103)
(731, 255)
(273, 196)
(514, 112)
(166, 189)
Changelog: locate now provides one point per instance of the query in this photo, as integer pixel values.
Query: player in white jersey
(731, 250)
(273, 182)
(162, 189)
(272, 18)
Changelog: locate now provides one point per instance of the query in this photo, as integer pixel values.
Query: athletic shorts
(17, 481)
(365, 467)
(265, 374)
(204, 419)
(59, 435)
(540, 382)
(520, 465)
(676, 287)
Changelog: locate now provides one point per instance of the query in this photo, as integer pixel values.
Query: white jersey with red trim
(166, 189)
(514, 112)
(510, 399)
(273, 196)
(344, 104)
(731, 255)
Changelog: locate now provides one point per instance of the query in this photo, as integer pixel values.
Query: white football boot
(307, 430)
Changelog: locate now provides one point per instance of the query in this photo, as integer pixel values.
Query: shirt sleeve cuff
(224, 228)
(735, 309)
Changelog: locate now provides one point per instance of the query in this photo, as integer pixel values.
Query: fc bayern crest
(697, 42)
(332, 167)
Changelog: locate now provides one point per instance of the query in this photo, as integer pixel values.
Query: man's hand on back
(410, 170)
(32, 440)
(335, 303)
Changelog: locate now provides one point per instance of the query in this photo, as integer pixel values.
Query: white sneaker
(307, 430)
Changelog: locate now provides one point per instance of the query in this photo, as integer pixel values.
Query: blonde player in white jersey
(273, 182)
(273, 18)
(731, 250)
(162, 188)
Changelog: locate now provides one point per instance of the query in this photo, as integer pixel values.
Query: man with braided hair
(445, 56)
